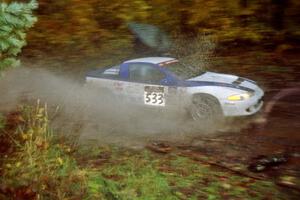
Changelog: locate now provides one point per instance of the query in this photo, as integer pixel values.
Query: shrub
(15, 20)
(39, 166)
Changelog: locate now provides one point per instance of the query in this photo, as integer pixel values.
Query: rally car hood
(224, 80)
(215, 77)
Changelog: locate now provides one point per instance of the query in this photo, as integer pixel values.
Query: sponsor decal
(118, 86)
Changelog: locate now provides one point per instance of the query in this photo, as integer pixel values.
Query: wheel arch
(207, 95)
(203, 94)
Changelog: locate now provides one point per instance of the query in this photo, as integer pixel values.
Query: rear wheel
(205, 108)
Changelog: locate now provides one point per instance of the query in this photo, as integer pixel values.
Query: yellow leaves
(226, 22)
(288, 180)
(27, 135)
(40, 113)
(78, 175)
(68, 150)
(65, 148)
(132, 11)
(21, 119)
(226, 186)
(18, 164)
(60, 161)
(43, 187)
(41, 143)
(8, 166)
(14, 165)
(24, 136)
(203, 12)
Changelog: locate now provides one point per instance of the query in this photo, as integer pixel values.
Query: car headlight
(240, 97)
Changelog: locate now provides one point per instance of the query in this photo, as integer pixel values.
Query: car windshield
(182, 70)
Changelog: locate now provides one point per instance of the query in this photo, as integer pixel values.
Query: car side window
(145, 73)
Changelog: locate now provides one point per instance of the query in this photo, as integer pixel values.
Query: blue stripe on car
(210, 83)
(171, 80)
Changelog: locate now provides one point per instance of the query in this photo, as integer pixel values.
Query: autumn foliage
(92, 27)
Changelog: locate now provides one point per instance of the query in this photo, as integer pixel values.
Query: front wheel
(205, 108)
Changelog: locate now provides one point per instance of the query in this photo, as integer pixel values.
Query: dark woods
(95, 26)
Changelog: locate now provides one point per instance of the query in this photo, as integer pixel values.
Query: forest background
(91, 28)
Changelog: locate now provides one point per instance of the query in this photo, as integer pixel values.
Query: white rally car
(167, 83)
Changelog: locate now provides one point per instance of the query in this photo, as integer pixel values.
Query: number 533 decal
(154, 96)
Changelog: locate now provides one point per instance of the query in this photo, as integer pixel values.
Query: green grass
(44, 166)
(131, 176)
(144, 175)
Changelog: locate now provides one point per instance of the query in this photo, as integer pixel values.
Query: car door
(144, 85)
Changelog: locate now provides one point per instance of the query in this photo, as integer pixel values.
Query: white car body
(170, 92)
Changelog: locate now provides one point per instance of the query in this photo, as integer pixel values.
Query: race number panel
(154, 96)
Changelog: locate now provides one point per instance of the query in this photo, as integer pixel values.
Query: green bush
(15, 20)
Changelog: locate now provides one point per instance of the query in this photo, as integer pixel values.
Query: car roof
(152, 60)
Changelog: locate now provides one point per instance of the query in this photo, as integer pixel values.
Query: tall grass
(39, 166)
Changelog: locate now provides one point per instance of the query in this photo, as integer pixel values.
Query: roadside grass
(37, 164)
(128, 174)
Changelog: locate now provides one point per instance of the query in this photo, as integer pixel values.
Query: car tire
(205, 108)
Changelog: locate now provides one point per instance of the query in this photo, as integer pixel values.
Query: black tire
(205, 108)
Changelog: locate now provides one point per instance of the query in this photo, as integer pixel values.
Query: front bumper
(244, 108)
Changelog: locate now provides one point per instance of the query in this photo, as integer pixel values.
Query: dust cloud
(91, 113)
(94, 115)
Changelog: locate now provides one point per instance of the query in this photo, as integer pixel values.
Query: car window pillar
(124, 71)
